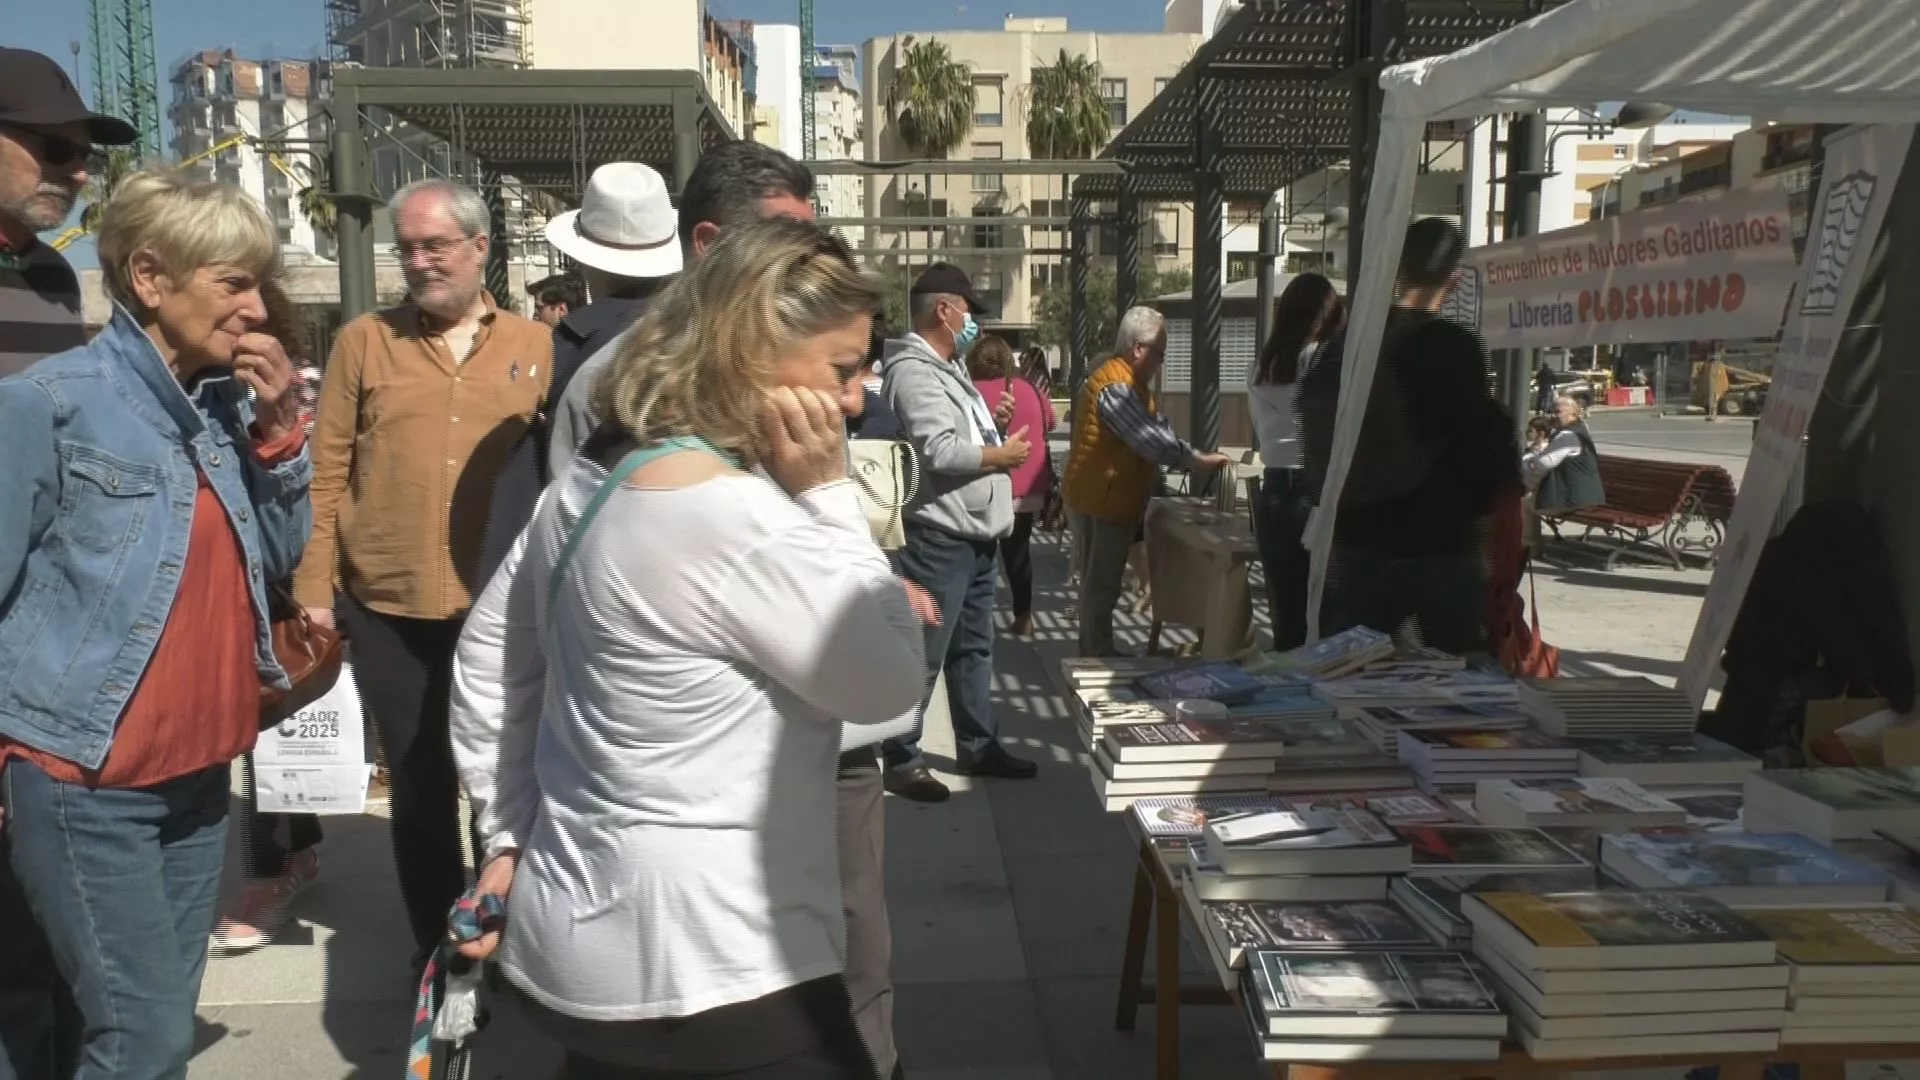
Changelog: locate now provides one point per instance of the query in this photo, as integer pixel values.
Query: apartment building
(222, 109)
(1011, 266)
(1779, 155)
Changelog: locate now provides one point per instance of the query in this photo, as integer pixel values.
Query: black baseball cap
(949, 280)
(35, 93)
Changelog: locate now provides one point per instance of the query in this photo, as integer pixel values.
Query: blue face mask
(969, 333)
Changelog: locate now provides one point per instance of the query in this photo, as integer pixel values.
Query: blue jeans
(1279, 518)
(962, 577)
(123, 886)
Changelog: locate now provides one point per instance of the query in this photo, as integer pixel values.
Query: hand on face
(260, 362)
(803, 440)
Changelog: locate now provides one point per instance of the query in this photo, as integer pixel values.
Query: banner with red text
(1715, 270)
(1862, 167)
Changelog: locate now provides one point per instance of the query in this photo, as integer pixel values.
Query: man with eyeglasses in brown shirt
(420, 406)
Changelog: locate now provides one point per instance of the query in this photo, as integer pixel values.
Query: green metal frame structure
(547, 130)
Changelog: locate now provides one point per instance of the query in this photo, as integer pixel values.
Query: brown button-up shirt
(406, 445)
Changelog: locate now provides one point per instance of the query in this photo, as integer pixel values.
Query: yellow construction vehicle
(68, 238)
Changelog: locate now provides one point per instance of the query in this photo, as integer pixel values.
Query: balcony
(1717, 176)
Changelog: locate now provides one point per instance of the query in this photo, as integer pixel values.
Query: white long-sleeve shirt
(661, 742)
(1536, 464)
(1276, 424)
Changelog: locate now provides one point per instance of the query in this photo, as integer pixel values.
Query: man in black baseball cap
(47, 136)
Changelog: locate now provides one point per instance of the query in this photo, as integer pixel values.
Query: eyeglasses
(436, 249)
(61, 152)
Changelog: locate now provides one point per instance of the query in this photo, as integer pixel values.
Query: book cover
(1443, 891)
(1854, 935)
(1318, 734)
(1437, 716)
(1444, 742)
(1562, 920)
(1377, 982)
(1341, 925)
(1708, 809)
(1678, 749)
(1190, 733)
(1312, 830)
(1852, 789)
(1440, 846)
(1186, 815)
(1348, 647)
(1581, 796)
(1458, 687)
(1388, 804)
(1214, 680)
(1695, 858)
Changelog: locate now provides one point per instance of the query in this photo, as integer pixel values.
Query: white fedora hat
(626, 224)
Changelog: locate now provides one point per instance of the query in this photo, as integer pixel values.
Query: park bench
(1670, 508)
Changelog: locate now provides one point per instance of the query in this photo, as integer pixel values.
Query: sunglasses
(61, 152)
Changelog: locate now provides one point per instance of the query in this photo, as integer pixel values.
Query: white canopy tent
(1830, 61)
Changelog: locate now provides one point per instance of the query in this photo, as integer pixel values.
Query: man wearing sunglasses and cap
(47, 140)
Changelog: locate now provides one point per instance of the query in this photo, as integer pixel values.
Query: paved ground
(1643, 433)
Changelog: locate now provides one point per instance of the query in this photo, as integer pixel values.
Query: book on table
(1433, 900)
(1741, 869)
(1240, 926)
(1462, 848)
(1464, 758)
(1837, 804)
(1415, 1005)
(1349, 650)
(1681, 758)
(1209, 680)
(1414, 658)
(1606, 706)
(1416, 688)
(1581, 802)
(1615, 930)
(1382, 725)
(1310, 842)
(1856, 971)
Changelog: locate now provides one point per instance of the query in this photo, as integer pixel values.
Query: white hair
(469, 210)
(1137, 327)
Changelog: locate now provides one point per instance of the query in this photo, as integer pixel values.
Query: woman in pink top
(990, 363)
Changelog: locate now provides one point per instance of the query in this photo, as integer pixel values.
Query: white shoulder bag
(888, 476)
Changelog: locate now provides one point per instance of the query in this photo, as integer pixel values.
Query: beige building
(1134, 67)
(1779, 155)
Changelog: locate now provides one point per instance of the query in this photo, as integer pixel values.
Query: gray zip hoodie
(932, 397)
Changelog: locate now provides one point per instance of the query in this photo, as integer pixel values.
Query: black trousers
(265, 855)
(1017, 556)
(404, 669)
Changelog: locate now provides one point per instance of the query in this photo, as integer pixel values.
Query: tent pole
(1526, 169)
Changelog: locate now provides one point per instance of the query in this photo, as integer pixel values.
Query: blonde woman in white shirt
(648, 702)
(1308, 314)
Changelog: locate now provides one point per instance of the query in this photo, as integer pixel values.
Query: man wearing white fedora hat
(626, 240)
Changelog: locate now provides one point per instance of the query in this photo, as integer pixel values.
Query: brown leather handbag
(309, 653)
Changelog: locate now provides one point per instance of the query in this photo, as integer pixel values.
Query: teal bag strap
(629, 465)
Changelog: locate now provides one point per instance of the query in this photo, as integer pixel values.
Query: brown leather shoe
(1022, 626)
(916, 784)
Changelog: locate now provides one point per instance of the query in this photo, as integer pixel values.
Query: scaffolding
(433, 34)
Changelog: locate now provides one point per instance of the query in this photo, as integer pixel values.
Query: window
(988, 289)
(986, 236)
(987, 102)
(275, 86)
(1160, 85)
(1045, 275)
(1166, 230)
(987, 151)
(1114, 93)
(1620, 151)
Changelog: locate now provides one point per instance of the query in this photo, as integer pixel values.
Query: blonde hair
(702, 359)
(185, 224)
(1565, 399)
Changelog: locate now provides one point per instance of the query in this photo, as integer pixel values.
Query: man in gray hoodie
(965, 506)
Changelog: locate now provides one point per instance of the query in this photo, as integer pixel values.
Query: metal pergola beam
(969, 167)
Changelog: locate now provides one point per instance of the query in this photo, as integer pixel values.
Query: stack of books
(1486, 849)
(1172, 823)
(1834, 804)
(1741, 869)
(1664, 760)
(1406, 689)
(1333, 754)
(1414, 658)
(1575, 802)
(1613, 705)
(1138, 760)
(1234, 928)
(1433, 900)
(1856, 972)
(1356, 1006)
(1629, 974)
(1382, 725)
(1323, 846)
(1461, 759)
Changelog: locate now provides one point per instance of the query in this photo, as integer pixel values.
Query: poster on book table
(1716, 269)
(315, 761)
(1862, 168)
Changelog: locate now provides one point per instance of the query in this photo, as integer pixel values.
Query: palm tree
(931, 99)
(316, 204)
(1066, 115)
(116, 166)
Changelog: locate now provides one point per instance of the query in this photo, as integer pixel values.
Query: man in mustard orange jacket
(1120, 443)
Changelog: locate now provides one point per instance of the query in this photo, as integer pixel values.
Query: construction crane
(807, 61)
(67, 239)
(126, 81)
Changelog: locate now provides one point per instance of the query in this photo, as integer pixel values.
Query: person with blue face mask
(965, 506)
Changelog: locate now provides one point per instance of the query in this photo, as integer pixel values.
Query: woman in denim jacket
(146, 503)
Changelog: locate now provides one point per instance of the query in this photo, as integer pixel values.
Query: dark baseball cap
(35, 93)
(949, 280)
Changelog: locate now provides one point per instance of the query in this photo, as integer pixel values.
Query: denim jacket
(99, 453)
